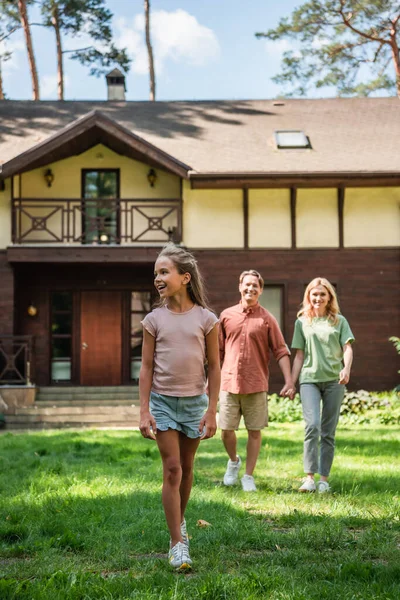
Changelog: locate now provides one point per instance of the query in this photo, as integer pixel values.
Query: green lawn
(81, 518)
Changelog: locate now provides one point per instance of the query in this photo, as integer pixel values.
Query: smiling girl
(323, 339)
(178, 337)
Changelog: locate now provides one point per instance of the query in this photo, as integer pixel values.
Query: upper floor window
(100, 214)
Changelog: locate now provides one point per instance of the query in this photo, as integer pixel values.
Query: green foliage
(396, 342)
(349, 45)
(357, 407)
(284, 410)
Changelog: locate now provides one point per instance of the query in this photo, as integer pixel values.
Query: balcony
(96, 222)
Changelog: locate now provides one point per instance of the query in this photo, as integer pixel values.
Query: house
(90, 191)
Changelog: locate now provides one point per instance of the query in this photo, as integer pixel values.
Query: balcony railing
(100, 221)
(16, 356)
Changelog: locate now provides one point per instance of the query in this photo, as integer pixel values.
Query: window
(61, 336)
(290, 139)
(140, 306)
(272, 300)
(100, 210)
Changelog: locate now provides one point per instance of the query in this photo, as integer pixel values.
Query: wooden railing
(16, 360)
(100, 221)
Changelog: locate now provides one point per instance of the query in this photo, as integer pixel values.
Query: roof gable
(86, 132)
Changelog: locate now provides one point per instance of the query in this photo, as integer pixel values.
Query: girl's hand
(344, 376)
(147, 426)
(209, 422)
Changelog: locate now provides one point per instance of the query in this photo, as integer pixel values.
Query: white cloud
(176, 36)
(48, 86)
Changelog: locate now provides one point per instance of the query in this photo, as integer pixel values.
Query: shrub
(357, 407)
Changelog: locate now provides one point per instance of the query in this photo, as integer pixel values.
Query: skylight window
(291, 139)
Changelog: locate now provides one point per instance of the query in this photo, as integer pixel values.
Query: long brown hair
(332, 308)
(185, 262)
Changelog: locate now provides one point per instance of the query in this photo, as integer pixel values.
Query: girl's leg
(169, 445)
(332, 397)
(188, 447)
(310, 399)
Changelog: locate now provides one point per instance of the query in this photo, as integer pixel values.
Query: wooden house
(90, 191)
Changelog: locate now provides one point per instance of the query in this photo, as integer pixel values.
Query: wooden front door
(101, 338)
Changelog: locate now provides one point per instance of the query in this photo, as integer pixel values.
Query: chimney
(115, 85)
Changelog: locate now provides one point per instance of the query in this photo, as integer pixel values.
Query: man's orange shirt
(247, 336)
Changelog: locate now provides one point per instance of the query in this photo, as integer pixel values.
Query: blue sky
(204, 49)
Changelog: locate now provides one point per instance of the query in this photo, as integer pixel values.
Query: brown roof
(354, 135)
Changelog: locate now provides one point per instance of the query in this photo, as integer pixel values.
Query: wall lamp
(152, 177)
(49, 177)
(32, 310)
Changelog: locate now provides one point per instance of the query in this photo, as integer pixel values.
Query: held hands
(289, 389)
(209, 422)
(147, 426)
(344, 376)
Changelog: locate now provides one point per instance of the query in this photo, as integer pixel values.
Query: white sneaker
(178, 557)
(308, 485)
(248, 484)
(323, 487)
(232, 471)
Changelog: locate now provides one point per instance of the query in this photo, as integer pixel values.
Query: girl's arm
(344, 376)
(147, 426)
(297, 365)
(209, 421)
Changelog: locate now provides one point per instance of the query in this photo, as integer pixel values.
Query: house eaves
(86, 132)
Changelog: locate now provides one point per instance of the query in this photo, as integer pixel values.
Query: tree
(352, 45)
(150, 50)
(90, 17)
(15, 12)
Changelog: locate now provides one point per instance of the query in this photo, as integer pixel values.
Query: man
(248, 333)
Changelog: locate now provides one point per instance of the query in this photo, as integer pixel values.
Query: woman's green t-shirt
(322, 343)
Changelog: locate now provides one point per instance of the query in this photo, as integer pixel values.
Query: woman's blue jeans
(320, 427)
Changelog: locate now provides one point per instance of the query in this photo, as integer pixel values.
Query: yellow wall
(269, 219)
(5, 215)
(212, 218)
(67, 177)
(67, 184)
(317, 220)
(371, 217)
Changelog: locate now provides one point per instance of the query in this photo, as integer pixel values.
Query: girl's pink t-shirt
(180, 349)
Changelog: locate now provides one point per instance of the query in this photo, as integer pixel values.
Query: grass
(81, 519)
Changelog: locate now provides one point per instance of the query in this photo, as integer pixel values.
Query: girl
(323, 339)
(174, 409)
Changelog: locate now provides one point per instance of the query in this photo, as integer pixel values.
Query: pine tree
(91, 17)
(351, 45)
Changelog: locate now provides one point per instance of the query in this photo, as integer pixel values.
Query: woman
(322, 338)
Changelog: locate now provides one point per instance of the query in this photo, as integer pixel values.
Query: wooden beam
(246, 217)
(284, 180)
(341, 192)
(293, 198)
(82, 254)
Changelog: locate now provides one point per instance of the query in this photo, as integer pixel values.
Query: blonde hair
(332, 308)
(185, 262)
(254, 273)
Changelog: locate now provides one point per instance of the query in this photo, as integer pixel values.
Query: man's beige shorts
(253, 407)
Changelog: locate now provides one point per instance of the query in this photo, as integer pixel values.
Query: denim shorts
(182, 414)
